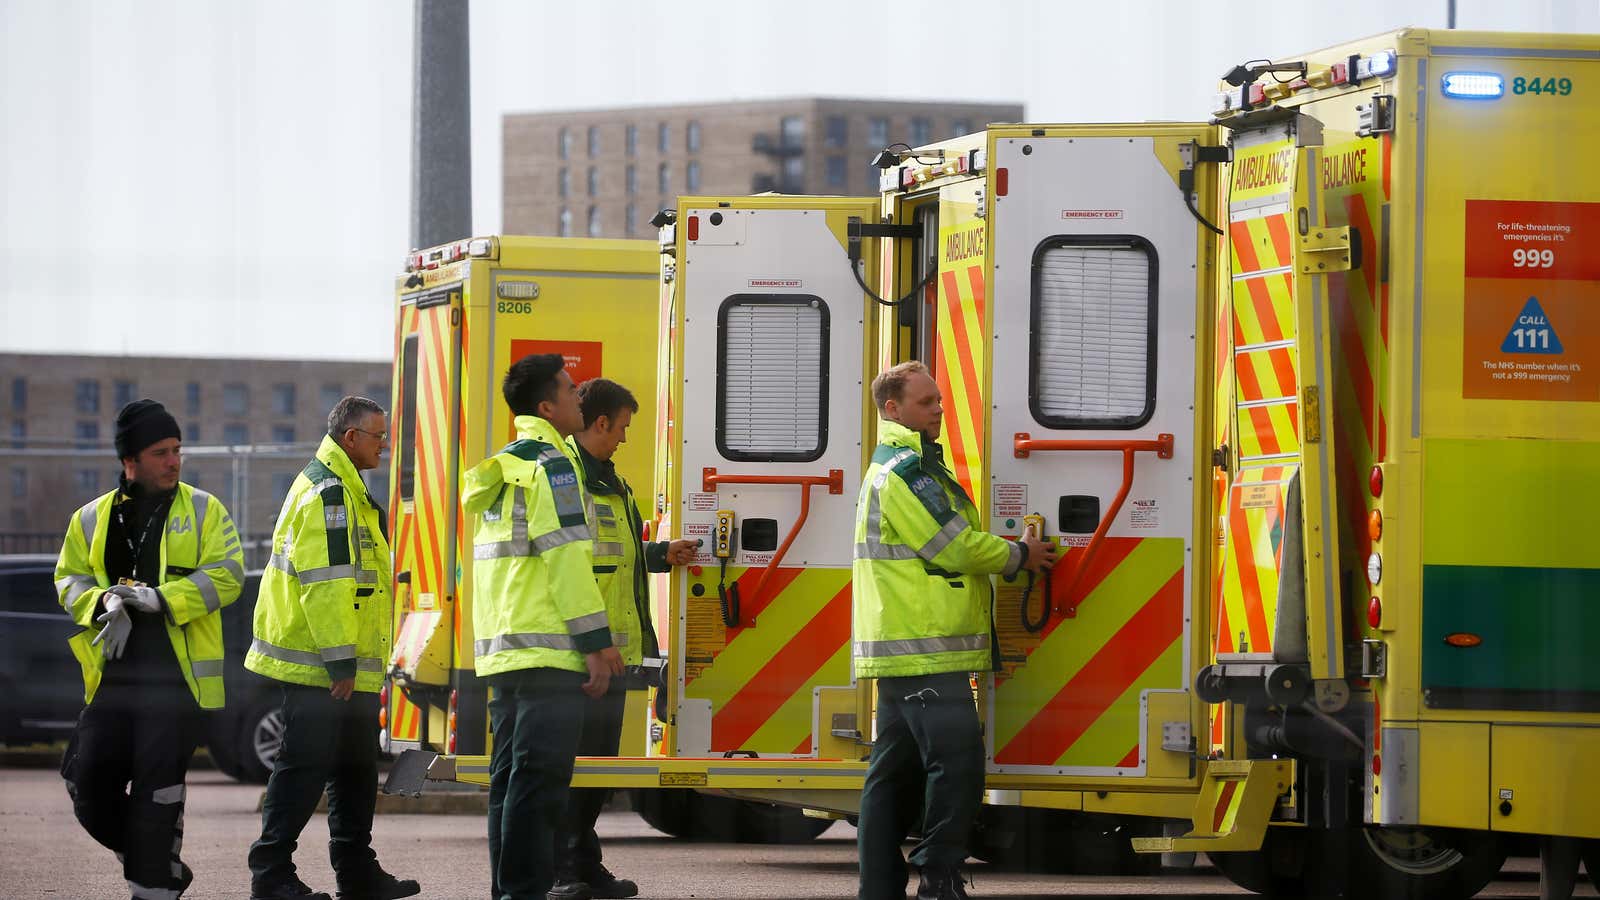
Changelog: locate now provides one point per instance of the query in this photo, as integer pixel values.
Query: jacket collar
(893, 434)
(533, 428)
(330, 454)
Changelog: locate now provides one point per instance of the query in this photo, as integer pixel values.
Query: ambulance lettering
(1264, 171)
(962, 245)
(1341, 169)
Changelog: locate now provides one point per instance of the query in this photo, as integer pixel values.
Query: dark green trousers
(537, 716)
(927, 765)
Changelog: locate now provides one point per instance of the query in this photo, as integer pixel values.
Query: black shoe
(941, 884)
(605, 886)
(382, 887)
(568, 887)
(184, 879)
(293, 889)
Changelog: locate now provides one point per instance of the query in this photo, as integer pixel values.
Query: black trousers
(537, 716)
(125, 769)
(330, 744)
(927, 764)
(578, 849)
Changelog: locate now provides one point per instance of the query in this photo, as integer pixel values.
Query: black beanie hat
(142, 423)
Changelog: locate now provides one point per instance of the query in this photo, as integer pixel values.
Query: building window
(19, 483)
(235, 399)
(837, 172)
(792, 131)
(19, 435)
(1093, 327)
(920, 131)
(960, 127)
(630, 178)
(88, 434)
(563, 183)
(772, 378)
(664, 137)
(691, 136)
(87, 395)
(283, 434)
(691, 176)
(88, 481)
(191, 398)
(564, 143)
(235, 433)
(122, 391)
(564, 223)
(878, 132)
(594, 221)
(331, 394)
(631, 140)
(191, 433)
(664, 179)
(19, 394)
(836, 133)
(794, 175)
(281, 484)
(283, 399)
(592, 181)
(594, 140)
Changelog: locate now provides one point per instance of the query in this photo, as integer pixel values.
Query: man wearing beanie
(145, 569)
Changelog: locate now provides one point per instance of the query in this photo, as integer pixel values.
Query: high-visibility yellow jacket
(324, 614)
(202, 569)
(534, 599)
(922, 601)
(621, 556)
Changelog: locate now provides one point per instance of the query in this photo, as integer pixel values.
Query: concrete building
(249, 425)
(604, 173)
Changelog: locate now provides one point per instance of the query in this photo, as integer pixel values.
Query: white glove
(115, 626)
(141, 598)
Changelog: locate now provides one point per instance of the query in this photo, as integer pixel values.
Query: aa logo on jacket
(180, 525)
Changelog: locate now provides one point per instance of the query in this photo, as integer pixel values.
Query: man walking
(322, 628)
(145, 569)
(621, 561)
(923, 621)
(539, 621)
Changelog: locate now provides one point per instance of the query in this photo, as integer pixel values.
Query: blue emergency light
(1474, 85)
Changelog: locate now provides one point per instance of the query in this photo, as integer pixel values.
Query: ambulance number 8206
(1533, 259)
(525, 307)
(1536, 85)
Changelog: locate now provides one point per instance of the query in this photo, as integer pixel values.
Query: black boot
(568, 886)
(379, 886)
(605, 886)
(941, 884)
(293, 889)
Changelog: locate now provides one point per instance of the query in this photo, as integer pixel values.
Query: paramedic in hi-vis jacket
(922, 624)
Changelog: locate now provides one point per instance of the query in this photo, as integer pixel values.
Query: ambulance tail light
(1375, 481)
(1002, 181)
(451, 724)
(693, 228)
(1375, 612)
(1474, 85)
(1463, 639)
(1375, 525)
(1257, 95)
(383, 706)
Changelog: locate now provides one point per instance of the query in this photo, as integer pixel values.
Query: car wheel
(260, 736)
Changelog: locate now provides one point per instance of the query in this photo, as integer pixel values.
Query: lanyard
(137, 549)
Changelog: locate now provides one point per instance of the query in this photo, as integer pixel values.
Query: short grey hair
(348, 413)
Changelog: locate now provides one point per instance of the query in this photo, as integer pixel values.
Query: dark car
(41, 685)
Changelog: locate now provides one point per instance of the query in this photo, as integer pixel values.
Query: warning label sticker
(1532, 301)
(700, 531)
(1010, 500)
(1144, 514)
(699, 502)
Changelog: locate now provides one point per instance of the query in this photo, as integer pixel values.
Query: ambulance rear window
(1093, 326)
(772, 378)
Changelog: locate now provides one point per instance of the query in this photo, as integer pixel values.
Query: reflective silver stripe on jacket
(314, 660)
(919, 646)
(326, 573)
(208, 588)
(334, 654)
(560, 537)
(523, 641)
(607, 548)
(86, 520)
(519, 515)
(590, 622)
(874, 547)
(942, 538)
(71, 587)
(281, 562)
(201, 500)
(517, 545)
(206, 668)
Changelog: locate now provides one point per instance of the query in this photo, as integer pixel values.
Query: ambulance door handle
(833, 481)
(1023, 445)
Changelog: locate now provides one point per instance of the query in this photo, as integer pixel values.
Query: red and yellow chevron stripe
(958, 368)
(1070, 695)
(760, 674)
(1265, 368)
(1251, 559)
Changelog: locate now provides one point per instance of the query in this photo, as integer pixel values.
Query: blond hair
(891, 382)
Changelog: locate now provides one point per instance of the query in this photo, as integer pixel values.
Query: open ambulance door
(769, 422)
(423, 428)
(1100, 284)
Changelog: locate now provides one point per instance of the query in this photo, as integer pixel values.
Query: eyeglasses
(380, 435)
